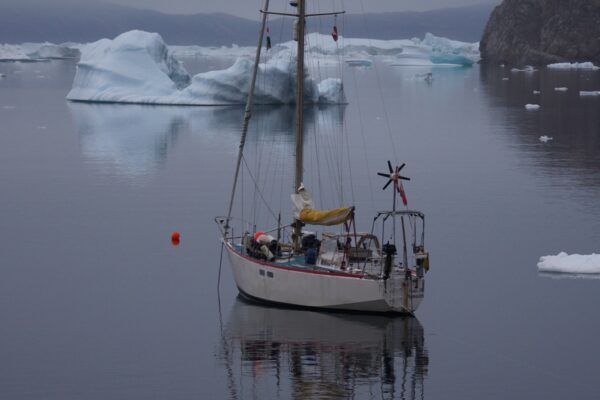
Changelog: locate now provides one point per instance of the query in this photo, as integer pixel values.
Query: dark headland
(538, 32)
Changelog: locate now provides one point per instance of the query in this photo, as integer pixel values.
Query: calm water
(96, 303)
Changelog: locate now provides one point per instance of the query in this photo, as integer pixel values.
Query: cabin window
(269, 274)
(261, 272)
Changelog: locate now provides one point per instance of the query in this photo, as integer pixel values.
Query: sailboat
(381, 270)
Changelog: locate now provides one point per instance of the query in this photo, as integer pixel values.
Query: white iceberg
(9, 52)
(532, 107)
(446, 51)
(49, 51)
(30, 52)
(583, 65)
(571, 264)
(429, 51)
(138, 67)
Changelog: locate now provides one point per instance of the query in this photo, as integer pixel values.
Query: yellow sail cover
(334, 216)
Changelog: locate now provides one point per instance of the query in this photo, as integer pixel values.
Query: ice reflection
(135, 140)
(271, 352)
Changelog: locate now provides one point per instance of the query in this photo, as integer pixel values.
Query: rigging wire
(387, 119)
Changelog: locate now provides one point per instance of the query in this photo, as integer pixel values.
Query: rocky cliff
(537, 32)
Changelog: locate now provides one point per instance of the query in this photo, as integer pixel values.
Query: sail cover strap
(334, 216)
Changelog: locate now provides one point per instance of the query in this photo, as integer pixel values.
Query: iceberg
(532, 107)
(10, 52)
(31, 52)
(49, 51)
(429, 51)
(546, 139)
(138, 67)
(570, 264)
(446, 51)
(583, 65)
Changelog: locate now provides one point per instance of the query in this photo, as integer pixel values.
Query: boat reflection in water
(272, 352)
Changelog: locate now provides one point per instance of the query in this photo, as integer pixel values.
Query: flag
(334, 33)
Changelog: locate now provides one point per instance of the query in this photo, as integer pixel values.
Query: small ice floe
(561, 89)
(532, 107)
(546, 139)
(527, 68)
(9, 107)
(536, 92)
(570, 264)
(504, 79)
(43, 128)
(583, 65)
(502, 65)
(585, 93)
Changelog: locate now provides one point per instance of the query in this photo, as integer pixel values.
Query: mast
(247, 115)
(299, 113)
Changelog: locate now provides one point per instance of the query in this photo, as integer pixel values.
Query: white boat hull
(298, 286)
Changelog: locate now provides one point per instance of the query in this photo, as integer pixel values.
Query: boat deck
(299, 262)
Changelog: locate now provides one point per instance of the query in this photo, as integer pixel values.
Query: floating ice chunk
(532, 107)
(585, 93)
(505, 79)
(527, 68)
(583, 65)
(546, 139)
(331, 91)
(572, 264)
(536, 92)
(561, 89)
(137, 67)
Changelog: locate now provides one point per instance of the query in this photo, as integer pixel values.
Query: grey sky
(249, 8)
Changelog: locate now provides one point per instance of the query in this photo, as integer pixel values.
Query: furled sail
(304, 210)
(334, 216)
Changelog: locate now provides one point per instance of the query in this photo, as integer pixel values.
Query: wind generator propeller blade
(394, 175)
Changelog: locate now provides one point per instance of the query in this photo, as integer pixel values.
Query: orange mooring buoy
(175, 238)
